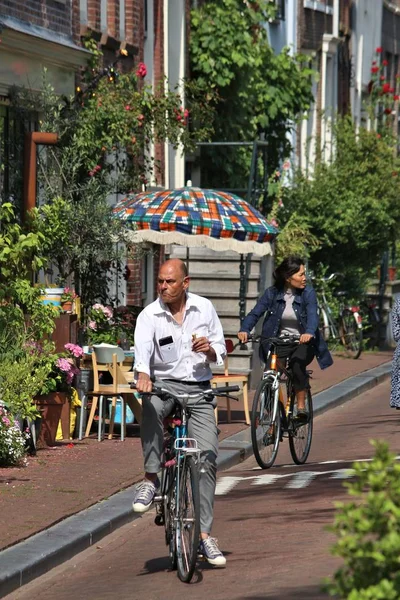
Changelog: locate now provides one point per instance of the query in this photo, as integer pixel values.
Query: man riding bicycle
(176, 339)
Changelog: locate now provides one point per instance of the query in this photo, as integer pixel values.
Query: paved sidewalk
(68, 498)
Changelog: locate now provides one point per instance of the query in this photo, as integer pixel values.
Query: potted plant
(100, 326)
(57, 389)
(12, 440)
(67, 299)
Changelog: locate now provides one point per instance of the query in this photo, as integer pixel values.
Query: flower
(385, 63)
(378, 50)
(386, 88)
(68, 295)
(75, 350)
(12, 441)
(141, 71)
(374, 69)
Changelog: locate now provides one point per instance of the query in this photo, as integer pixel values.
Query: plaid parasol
(195, 217)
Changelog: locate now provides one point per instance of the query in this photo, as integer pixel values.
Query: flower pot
(392, 273)
(51, 408)
(66, 306)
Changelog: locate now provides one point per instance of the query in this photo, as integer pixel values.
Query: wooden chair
(109, 360)
(228, 378)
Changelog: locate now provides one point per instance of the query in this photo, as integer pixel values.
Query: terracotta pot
(51, 409)
(66, 306)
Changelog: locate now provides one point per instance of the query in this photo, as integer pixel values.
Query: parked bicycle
(178, 503)
(274, 412)
(347, 328)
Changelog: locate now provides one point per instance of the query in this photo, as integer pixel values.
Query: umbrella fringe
(192, 241)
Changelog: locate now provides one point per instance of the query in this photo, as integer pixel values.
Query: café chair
(229, 378)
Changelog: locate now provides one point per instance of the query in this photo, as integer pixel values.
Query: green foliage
(255, 91)
(351, 203)
(105, 137)
(368, 532)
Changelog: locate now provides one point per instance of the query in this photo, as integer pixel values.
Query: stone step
(203, 283)
(217, 267)
(232, 304)
(208, 254)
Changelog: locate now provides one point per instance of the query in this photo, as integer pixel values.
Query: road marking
(297, 480)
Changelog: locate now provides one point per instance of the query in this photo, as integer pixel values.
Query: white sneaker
(208, 548)
(144, 495)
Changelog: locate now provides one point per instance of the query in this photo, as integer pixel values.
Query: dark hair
(288, 267)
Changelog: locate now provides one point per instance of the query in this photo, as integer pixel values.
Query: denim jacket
(272, 304)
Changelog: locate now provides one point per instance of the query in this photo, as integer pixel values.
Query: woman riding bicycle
(290, 308)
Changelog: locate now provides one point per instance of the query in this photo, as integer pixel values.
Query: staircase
(216, 275)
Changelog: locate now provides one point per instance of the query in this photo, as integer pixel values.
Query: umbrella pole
(242, 290)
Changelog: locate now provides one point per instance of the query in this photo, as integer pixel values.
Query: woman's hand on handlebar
(305, 338)
(144, 384)
(243, 336)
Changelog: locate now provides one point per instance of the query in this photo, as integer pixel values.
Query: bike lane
(271, 524)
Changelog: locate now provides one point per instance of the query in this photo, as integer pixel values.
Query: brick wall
(50, 14)
(313, 24)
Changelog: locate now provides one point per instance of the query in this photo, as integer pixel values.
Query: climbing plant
(256, 92)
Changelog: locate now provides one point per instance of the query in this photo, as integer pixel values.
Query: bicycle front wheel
(300, 434)
(169, 488)
(188, 519)
(265, 426)
(350, 333)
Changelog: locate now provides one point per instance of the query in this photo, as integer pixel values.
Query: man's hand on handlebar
(144, 384)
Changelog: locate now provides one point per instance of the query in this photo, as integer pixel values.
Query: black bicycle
(274, 412)
(178, 503)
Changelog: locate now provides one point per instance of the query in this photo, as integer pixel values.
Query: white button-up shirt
(174, 359)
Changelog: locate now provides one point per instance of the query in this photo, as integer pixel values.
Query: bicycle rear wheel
(323, 324)
(188, 520)
(300, 434)
(265, 426)
(350, 333)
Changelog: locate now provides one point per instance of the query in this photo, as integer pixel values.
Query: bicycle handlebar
(211, 392)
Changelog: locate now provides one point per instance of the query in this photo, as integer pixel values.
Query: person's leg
(203, 428)
(300, 358)
(154, 411)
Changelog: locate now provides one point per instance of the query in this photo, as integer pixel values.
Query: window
(12, 131)
(280, 10)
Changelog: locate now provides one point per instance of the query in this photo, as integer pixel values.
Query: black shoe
(302, 415)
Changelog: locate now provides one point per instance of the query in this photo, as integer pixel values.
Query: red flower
(378, 50)
(378, 135)
(388, 111)
(391, 90)
(386, 88)
(385, 63)
(141, 70)
(396, 97)
(382, 78)
(374, 62)
(374, 69)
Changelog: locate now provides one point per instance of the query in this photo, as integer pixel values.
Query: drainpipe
(166, 73)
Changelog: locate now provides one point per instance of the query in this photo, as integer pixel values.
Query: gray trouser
(201, 426)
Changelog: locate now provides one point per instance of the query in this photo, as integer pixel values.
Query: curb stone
(33, 557)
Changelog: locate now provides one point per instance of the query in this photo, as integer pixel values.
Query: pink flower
(92, 325)
(64, 364)
(75, 350)
(286, 165)
(127, 107)
(6, 421)
(186, 113)
(141, 71)
(108, 312)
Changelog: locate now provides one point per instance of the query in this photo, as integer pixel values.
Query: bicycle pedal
(157, 499)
